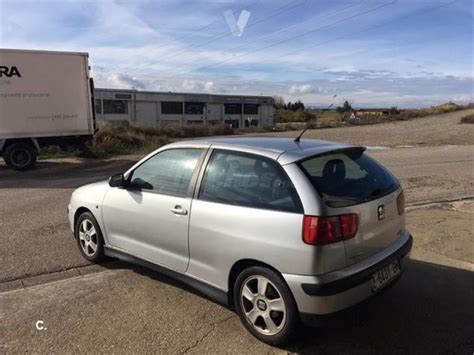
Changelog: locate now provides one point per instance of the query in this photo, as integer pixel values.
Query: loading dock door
(146, 114)
(214, 112)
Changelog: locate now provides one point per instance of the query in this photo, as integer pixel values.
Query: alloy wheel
(263, 305)
(88, 237)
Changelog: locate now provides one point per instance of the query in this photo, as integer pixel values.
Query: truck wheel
(266, 305)
(20, 156)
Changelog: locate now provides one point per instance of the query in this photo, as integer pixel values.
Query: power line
(362, 31)
(243, 45)
(298, 24)
(227, 34)
(303, 34)
(205, 27)
(369, 28)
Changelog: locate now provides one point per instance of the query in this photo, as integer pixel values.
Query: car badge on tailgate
(381, 212)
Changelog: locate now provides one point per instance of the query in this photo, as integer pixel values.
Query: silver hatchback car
(283, 230)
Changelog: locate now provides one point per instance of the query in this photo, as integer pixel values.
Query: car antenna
(297, 139)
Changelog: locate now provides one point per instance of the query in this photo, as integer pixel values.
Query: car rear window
(348, 178)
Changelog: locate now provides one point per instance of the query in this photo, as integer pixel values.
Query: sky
(377, 53)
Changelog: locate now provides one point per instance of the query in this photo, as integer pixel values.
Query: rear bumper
(335, 291)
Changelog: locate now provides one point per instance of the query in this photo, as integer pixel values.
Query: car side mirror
(117, 180)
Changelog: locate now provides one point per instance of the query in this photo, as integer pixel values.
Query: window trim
(211, 151)
(125, 106)
(192, 183)
(201, 104)
(174, 102)
(228, 104)
(98, 106)
(251, 104)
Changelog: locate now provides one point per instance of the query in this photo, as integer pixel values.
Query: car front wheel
(89, 238)
(265, 305)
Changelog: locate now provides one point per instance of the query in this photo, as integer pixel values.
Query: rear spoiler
(319, 151)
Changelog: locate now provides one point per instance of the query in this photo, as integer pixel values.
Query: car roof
(285, 150)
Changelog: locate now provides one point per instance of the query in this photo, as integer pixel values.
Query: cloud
(122, 81)
(201, 86)
(301, 89)
(210, 87)
(189, 85)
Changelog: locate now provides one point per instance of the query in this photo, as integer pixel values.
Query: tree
(394, 110)
(346, 107)
(279, 101)
(298, 106)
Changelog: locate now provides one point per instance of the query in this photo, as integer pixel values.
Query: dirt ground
(435, 130)
(444, 233)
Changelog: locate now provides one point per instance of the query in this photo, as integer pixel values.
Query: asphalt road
(34, 230)
(119, 308)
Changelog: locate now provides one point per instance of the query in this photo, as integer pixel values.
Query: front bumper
(70, 215)
(338, 290)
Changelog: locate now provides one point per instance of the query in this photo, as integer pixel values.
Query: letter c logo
(40, 325)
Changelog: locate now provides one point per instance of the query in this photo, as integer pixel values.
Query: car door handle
(179, 210)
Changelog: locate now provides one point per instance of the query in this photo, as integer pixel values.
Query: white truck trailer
(46, 98)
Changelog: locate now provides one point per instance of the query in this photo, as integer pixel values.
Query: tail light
(326, 230)
(401, 203)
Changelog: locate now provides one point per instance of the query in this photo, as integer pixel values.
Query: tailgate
(379, 226)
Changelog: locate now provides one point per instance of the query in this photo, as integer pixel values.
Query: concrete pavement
(138, 311)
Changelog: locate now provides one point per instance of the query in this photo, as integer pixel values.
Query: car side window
(248, 180)
(168, 172)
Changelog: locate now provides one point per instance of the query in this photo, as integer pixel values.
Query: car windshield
(348, 178)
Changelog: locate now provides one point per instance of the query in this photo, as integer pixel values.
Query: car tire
(20, 156)
(89, 238)
(265, 305)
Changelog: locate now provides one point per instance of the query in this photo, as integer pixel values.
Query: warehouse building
(156, 109)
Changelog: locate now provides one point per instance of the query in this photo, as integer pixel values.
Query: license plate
(385, 275)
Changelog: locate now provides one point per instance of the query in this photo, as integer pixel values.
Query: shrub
(467, 119)
(284, 115)
(120, 139)
(114, 139)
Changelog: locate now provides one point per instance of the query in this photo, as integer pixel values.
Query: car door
(246, 208)
(149, 218)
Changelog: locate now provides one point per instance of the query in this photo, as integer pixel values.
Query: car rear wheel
(265, 305)
(89, 238)
(20, 156)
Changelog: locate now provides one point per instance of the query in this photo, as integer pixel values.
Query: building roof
(285, 150)
(132, 91)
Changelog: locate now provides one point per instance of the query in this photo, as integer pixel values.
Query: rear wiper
(335, 199)
(379, 191)
(375, 192)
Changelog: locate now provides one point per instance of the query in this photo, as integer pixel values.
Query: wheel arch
(80, 211)
(240, 266)
(33, 142)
